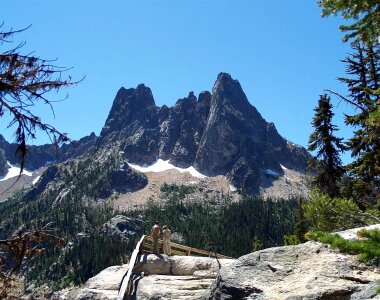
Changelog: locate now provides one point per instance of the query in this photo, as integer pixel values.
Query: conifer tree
(364, 14)
(363, 67)
(300, 227)
(327, 160)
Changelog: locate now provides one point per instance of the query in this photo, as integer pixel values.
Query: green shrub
(291, 239)
(331, 214)
(368, 248)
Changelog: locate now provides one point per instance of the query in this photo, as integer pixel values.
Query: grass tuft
(367, 248)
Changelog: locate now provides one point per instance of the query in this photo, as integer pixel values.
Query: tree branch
(347, 100)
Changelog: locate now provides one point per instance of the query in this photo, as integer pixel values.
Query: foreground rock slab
(302, 272)
(306, 271)
(103, 286)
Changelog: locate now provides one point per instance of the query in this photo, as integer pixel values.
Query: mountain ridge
(218, 133)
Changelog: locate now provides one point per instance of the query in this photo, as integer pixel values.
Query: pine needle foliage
(363, 14)
(234, 229)
(328, 149)
(363, 82)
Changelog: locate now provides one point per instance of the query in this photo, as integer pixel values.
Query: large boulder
(123, 226)
(306, 271)
(103, 286)
(302, 272)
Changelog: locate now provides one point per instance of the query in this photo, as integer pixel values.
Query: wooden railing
(125, 286)
(178, 249)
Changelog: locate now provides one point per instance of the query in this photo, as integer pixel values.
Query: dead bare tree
(25, 81)
(23, 246)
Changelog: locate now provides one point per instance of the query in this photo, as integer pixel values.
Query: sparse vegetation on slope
(232, 229)
(368, 248)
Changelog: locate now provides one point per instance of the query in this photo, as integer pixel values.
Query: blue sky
(282, 52)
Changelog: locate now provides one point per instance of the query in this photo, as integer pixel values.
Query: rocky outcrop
(76, 148)
(307, 271)
(133, 123)
(103, 286)
(123, 226)
(125, 180)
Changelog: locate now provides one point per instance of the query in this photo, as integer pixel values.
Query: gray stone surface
(302, 272)
(103, 286)
(306, 271)
(123, 226)
(351, 234)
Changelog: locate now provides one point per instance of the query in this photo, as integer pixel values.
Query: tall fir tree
(327, 160)
(300, 227)
(363, 68)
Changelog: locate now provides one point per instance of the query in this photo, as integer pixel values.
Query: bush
(332, 214)
(368, 248)
(291, 239)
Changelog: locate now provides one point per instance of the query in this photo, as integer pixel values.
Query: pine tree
(364, 88)
(327, 160)
(300, 227)
(364, 14)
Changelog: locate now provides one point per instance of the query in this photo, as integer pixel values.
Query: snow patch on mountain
(35, 180)
(14, 171)
(163, 165)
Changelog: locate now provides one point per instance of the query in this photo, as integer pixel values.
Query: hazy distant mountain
(42, 155)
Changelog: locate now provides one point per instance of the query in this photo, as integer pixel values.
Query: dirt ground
(291, 184)
(136, 200)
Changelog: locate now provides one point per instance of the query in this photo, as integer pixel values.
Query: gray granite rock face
(133, 123)
(123, 226)
(307, 271)
(220, 133)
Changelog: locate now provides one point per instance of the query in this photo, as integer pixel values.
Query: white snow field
(163, 165)
(14, 171)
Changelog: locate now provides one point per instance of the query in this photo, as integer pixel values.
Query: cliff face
(306, 271)
(219, 133)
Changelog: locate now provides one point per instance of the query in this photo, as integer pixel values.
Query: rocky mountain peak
(220, 133)
(130, 106)
(204, 98)
(228, 93)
